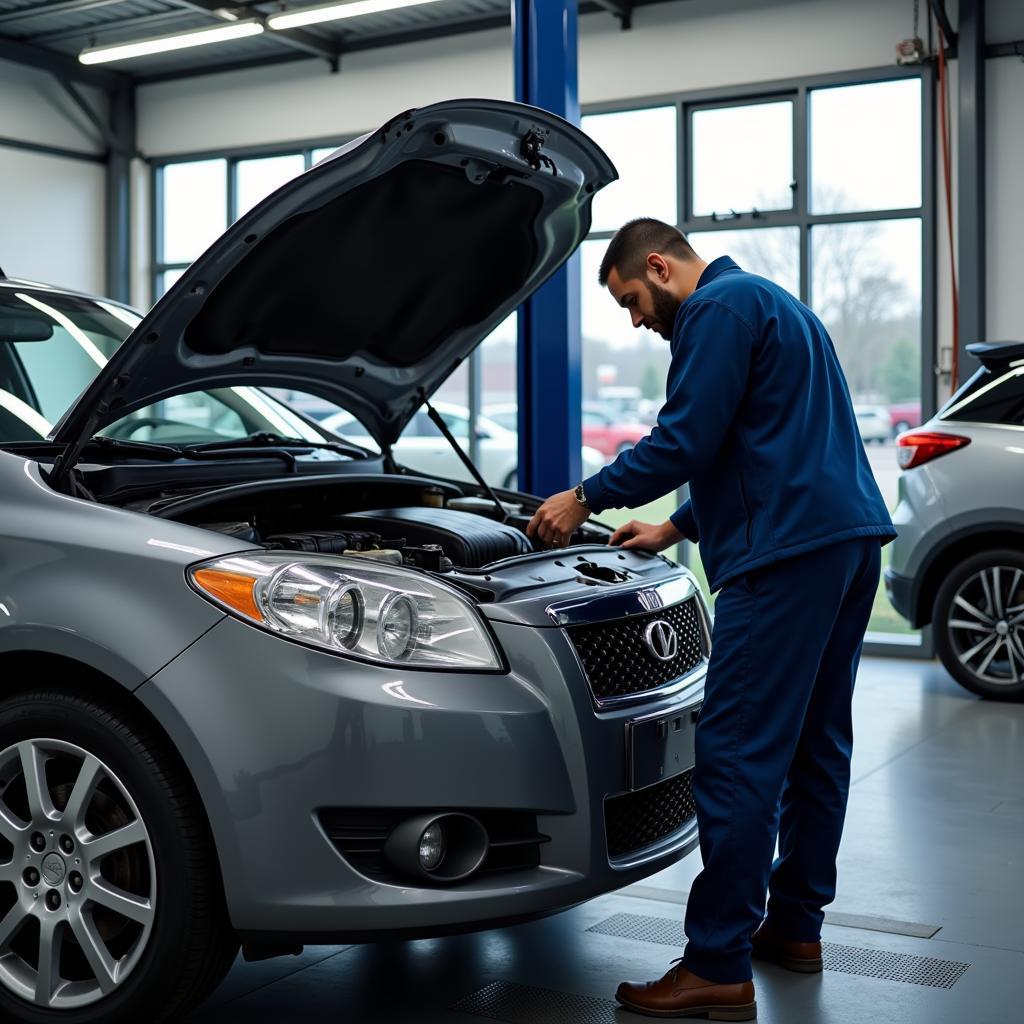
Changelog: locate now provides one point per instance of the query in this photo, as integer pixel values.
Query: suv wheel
(110, 904)
(979, 624)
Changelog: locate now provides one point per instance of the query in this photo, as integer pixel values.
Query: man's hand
(646, 535)
(557, 519)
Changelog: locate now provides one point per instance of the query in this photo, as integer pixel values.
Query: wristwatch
(581, 496)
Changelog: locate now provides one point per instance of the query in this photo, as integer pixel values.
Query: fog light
(432, 847)
(444, 847)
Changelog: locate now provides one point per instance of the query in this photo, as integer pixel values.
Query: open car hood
(368, 278)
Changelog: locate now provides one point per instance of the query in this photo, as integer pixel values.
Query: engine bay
(400, 521)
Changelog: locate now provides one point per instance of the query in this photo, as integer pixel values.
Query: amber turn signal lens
(230, 588)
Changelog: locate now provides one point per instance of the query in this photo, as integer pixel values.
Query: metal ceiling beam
(59, 64)
(102, 127)
(622, 9)
(55, 7)
(461, 25)
(85, 31)
(297, 39)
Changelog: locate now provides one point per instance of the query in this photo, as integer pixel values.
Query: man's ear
(658, 265)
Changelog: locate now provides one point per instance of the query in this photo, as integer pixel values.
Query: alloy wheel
(986, 624)
(77, 876)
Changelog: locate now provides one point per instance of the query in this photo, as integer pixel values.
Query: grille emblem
(661, 639)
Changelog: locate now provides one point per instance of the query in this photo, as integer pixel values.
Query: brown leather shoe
(803, 957)
(682, 994)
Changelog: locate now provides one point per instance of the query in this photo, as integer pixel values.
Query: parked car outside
(601, 431)
(423, 447)
(266, 690)
(958, 563)
(873, 422)
(904, 415)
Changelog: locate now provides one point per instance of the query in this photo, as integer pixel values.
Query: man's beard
(666, 305)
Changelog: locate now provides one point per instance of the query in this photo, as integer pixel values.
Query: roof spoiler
(996, 354)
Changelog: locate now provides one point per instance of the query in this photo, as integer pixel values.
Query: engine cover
(468, 540)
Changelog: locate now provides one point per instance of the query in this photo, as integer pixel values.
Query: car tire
(511, 481)
(901, 427)
(175, 943)
(969, 621)
(624, 447)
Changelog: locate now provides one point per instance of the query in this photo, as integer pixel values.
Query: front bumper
(274, 733)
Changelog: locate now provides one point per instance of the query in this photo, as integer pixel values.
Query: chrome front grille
(619, 664)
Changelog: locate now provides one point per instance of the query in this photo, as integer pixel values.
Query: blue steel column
(550, 370)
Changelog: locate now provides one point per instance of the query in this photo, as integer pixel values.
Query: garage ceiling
(64, 27)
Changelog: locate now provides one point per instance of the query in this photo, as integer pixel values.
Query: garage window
(822, 185)
(198, 197)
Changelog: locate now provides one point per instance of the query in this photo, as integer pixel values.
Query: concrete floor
(932, 866)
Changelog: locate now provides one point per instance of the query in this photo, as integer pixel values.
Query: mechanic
(758, 421)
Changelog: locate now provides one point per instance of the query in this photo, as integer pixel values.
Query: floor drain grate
(880, 963)
(868, 963)
(522, 1004)
(662, 930)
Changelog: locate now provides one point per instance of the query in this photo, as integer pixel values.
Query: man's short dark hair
(630, 246)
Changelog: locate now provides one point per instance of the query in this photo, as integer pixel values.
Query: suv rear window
(989, 397)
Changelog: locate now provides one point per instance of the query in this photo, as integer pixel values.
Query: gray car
(958, 562)
(265, 689)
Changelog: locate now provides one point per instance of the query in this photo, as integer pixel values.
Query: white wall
(51, 219)
(51, 208)
(695, 44)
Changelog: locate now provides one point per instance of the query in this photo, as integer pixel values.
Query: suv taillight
(917, 447)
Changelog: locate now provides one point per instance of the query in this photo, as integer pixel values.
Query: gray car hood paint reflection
(368, 278)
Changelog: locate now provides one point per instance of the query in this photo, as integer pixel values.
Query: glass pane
(642, 145)
(194, 208)
(166, 279)
(866, 287)
(743, 158)
(624, 375)
(771, 252)
(258, 178)
(319, 154)
(866, 147)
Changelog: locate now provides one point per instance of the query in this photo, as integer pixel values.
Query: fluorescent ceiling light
(337, 11)
(174, 41)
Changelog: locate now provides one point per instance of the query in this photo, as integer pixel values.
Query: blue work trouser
(773, 745)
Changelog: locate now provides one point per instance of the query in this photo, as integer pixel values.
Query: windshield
(52, 345)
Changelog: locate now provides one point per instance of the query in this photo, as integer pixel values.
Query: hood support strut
(465, 459)
(60, 476)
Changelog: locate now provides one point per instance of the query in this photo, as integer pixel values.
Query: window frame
(798, 89)
(232, 157)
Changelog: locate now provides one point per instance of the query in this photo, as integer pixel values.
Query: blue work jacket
(758, 420)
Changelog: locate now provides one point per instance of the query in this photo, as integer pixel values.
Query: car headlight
(347, 605)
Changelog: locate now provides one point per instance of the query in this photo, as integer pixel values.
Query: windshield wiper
(140, 449)
(267, 439)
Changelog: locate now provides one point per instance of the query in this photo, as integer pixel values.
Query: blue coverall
(758, 420)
